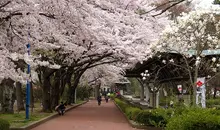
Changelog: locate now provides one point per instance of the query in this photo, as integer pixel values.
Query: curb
(134, 124)
(43, 120)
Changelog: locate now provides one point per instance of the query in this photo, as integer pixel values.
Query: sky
(205, 4)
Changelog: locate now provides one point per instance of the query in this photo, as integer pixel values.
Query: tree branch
(164, 10)
(5, 4)
(48, 15)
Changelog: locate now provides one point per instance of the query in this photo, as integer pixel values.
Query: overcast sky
(203, 3)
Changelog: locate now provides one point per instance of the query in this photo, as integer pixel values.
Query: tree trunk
(69, 94)
(215, 91)
(46, 95)
(8, 97)
(19, 97)
(31, 97)
(97, 93)
(55, 95)
(74, 95)
(142, 92)
(1, 97)
(195, 85)
(72, 89)
(154, 99)
(62, 85)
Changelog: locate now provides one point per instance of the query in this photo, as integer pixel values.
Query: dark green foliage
(4, 125)
(121, 104)
(143, 117)
(178, 118)
(112, 95)
(132, 112)
(216, 2)
(195, 119)
(83, 93)
(156, 117)
(213, 103)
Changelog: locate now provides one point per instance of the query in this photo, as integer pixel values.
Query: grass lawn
(18, 119)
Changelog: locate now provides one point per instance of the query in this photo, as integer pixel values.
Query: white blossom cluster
(197, 31)
(75, 31)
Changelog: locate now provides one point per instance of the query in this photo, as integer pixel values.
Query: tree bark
(74, 95)
(142, 92)
(97, 93)
(19, 97)
(62, 84)
(31, 97)
(8, 97)
(55, 91)
(69, 84)
(154, 99)
(195, 85)
(215, 91)
(72, 89)
(46, 95)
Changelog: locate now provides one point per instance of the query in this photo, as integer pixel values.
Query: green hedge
(195, 119)
(112, 96)
(157, 117)
(4, 125)
(132, 112)
(123, 105)
(179, 118)
(212, 103)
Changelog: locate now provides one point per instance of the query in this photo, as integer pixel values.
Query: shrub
(135, 113)
(216, 2)
(160, 117)
(112, 96)
(156, 117)
(181, 109)
(212, 102)
(195, 119)
(131, 112)
(123, 105)
(83, 93)
(143, 117)
(4, 125)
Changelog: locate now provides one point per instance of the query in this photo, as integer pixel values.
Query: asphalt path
(89, 116)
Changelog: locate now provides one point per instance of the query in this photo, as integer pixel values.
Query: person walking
(99, 99)
(106, 99)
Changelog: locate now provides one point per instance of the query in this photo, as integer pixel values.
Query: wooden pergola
(171, 72)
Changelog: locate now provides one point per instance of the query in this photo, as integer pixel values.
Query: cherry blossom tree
(103, 75)
(69, 37)
(196, 32)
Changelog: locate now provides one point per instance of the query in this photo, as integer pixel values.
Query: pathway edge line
(43, 120)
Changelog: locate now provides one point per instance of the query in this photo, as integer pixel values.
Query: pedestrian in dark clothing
(106, 99)
(99, 99)
(61, 108)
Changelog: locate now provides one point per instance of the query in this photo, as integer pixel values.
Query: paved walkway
(89, 116)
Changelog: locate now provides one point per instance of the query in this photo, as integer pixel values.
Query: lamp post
(28, 85)
(144, 76)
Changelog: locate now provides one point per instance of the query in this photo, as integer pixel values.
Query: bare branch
(164, 10)
(5, 4)
(48, 15)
